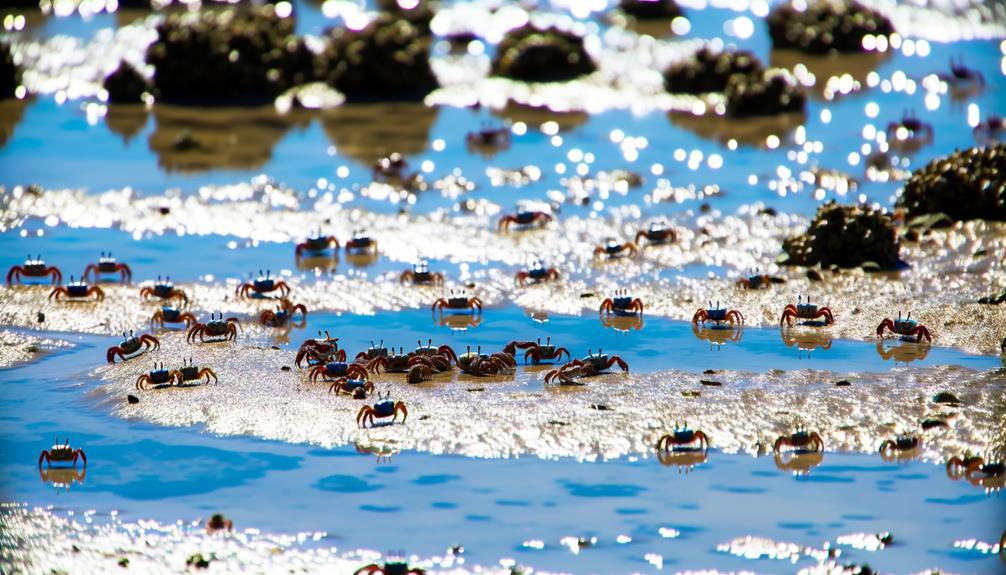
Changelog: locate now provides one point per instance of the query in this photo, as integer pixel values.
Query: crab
(34, 269)
(801, 441)
(261, 286)
(170, 314)
(107, 266)
(719, 316)
(284, 312)
(458, 303)
(158, 377)
(758, 281)
(321, 350)
(358, 388)
(910, 130)
(908, 329)
(717, 335)
(806, 311)
(524, 219)
(164, 290)
(77, 291)
(217, 522)
(589, 366)
(335, 369)
(190, 372)
(390, 168)
(535, 274)
(683, 439)
(962, 76)
(316, 245)
(391, 362)
(622, 304)
(990, 128)
(612, 248)
(418, 373)
(62, 453)
(657, 234)
(361, 244)
(481, 364)
(974, 468)
(130, 346)
(538, 353)
(437, 363)
(390, 567)
(217, 328)
(488, 139)
(420, 274)
(384, 407)
(902, 448)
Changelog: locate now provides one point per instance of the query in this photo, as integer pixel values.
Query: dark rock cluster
(825, 26)
(10, 74)
(532, 54)
(709, 71)
(846, 236)
(966, 185)
(650, 9)
(240, 55)
(773, 91)
(125, 85)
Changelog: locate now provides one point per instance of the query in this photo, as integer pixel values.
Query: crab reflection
(684, 459)
(384, 452)
(718, 334)
(904, 352)
(458, 322)
(746, 131)
(800, 463)
(622, 323)
(325, 263)
(362, 259)
(806, 341)
(126, 120)
(62, 477)
(855, 66)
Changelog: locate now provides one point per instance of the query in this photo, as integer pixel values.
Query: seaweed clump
(823, 26)
(10, 73)
(709, 71)
(387, 60)
(774, 91)
(846, 236)
(650, 9)
(965, 185)
(235, 56)
(532, 54)
(125, 85)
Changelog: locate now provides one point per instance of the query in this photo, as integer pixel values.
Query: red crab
(536, 273)
(622, 304)
(262, 285)
(524, 219)
(683, 438)
(481, 364)
(336, 369)
(962, 76)
(316, 245)
(901, 448)
(61, 453)
(910, 130)
(658, 233)
(164, 290)
(488, 139)
(613, 249)
(718, 315)
(907, 328)
(284, 312)
(589, 366)
(538, 353)
(458, 303)
(361, 243)
(806, 311)
(385, 407)
(758, 281)
(169, 314)
(420, 274)
(34, 269)
(106, 266)
(321, 350)
(219, 329)
(390, 567)
(358, 388)
(801, 441)
(77, 291)
(157, 377)
(130, 346)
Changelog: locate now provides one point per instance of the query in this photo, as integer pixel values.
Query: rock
(10, 73)
(814, 275)
(846, 236)
(197, 561)
(388, 60)
(125, 85)
(650, 9)
(946, 398)
(966, 185)
(843, 383)
(774, 91)
(710, 382)
(132, 399)
(531, 54)
(236, 56)
(709, 71)
(823, 26)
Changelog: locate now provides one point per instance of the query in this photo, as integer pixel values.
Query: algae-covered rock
(233, 56)
(846, 236)
(650, 9)
(125, 85)
(709, 71)
(822, 26)
(10, 74)
(532, 54)
(386, 60)
(966, 185)
(774, 91)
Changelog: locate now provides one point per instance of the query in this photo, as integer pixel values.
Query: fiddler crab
(718, 316)
(62, 453)
(171, 314)
(612, 249)
(371, 355)
(657, 234)
(284, 312)
(316, 245)
(319, 351)
(132, 346)
(962, 76)
(908, 329)
(589, 366)
(390, 168)
(217, 522)
(357, 388)
(361, 244)
(34, 269)
(990, 128)
(488, 139)
(683, 439)
(164, 290)
(910, 130)
(383, 408)
(335, 369)
(976, 470)
(107, 266)
(800, 441)
(536, 273)
(458, 302)
(422, 367)
(622, 303)
(524, 219)
(217, 329)
(262, 285)
(481, 364)
(808, 312)
(77, 291)
(402, 362)
(390, 567)
(158, 377)
(758, 281)
(902, 448)
(190, 372)
(537, 352)
(420, 274)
